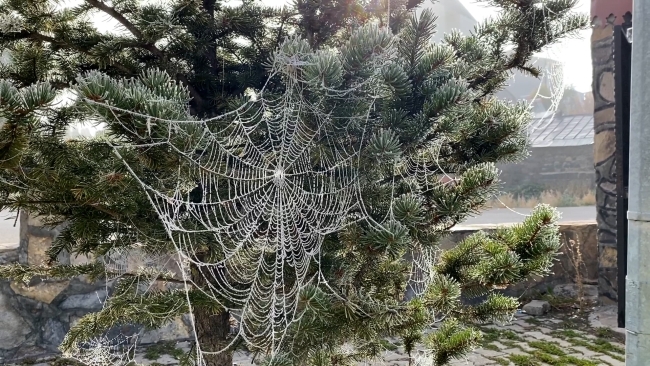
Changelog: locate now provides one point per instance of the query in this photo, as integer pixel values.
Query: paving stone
(514, 351)
(500, 345)
(516, 328)
(489, 353)
(610, 360)
(479, 361)
(586, 352)
(521, 323)
(562, 343)
(526, 347)
(537, 307)
(493, 326)
(502, 348)
(539, 335)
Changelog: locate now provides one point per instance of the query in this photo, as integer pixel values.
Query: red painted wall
(602, 9)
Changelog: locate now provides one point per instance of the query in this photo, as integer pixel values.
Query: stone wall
(602, 48)
(35, 317)
(557, 168)
(604, 151)
(563, 271)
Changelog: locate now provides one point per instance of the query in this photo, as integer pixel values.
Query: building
(453, 15)
(560, 155)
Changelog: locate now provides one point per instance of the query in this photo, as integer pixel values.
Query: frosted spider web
(104, 351)
(276, 175)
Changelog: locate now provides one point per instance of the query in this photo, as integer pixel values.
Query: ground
(562, 338)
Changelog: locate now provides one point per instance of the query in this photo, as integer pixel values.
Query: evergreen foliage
(190, 59)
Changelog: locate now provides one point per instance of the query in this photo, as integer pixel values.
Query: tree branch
(35, 36)
(96, 206)
(117, 16)
(147, 46)
(127, 24)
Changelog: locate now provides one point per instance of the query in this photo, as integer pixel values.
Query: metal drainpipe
(637, 304)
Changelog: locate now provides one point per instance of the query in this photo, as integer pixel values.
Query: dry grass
(575, 255)
(553, 198)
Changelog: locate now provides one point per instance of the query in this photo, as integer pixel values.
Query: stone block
(80, 259)
(608, 257)
(43, 291)
(606, 86)
(53, 332)
(89, 301)
(537, 307)
(8, 256)
(604, 145)
(37, 249)
(173, 330)
(572, 290)
(608, 283)
(13, 328)
(585, 236)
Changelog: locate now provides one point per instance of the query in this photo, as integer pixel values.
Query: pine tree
(437, 120)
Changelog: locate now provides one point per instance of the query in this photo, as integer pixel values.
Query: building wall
(604, 155)
(556, 168)
(605, 14)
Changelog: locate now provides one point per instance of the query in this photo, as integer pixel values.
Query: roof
(562, 131)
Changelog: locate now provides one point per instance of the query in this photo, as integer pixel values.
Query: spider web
(104, 351)
(274, 177)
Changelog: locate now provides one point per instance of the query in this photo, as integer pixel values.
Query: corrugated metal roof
(562, 131)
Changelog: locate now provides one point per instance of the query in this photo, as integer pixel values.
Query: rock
(53, 332)
(537, 307)
(79, 259)
(173, 330)
(43, 291)
(13, 328)
(93, 300)
(8, 255)
(571, 290)
(37, 249)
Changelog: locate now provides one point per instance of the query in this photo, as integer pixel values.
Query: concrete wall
(563, 271)
(557, 168)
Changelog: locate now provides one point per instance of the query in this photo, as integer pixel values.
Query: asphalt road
(9, 234)
(506, 216)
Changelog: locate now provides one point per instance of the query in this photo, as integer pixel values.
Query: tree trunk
(212, 330)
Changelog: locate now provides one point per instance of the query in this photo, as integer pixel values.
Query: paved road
(8, 233)
(506, 216)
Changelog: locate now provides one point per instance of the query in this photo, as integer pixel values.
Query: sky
(573, 53)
